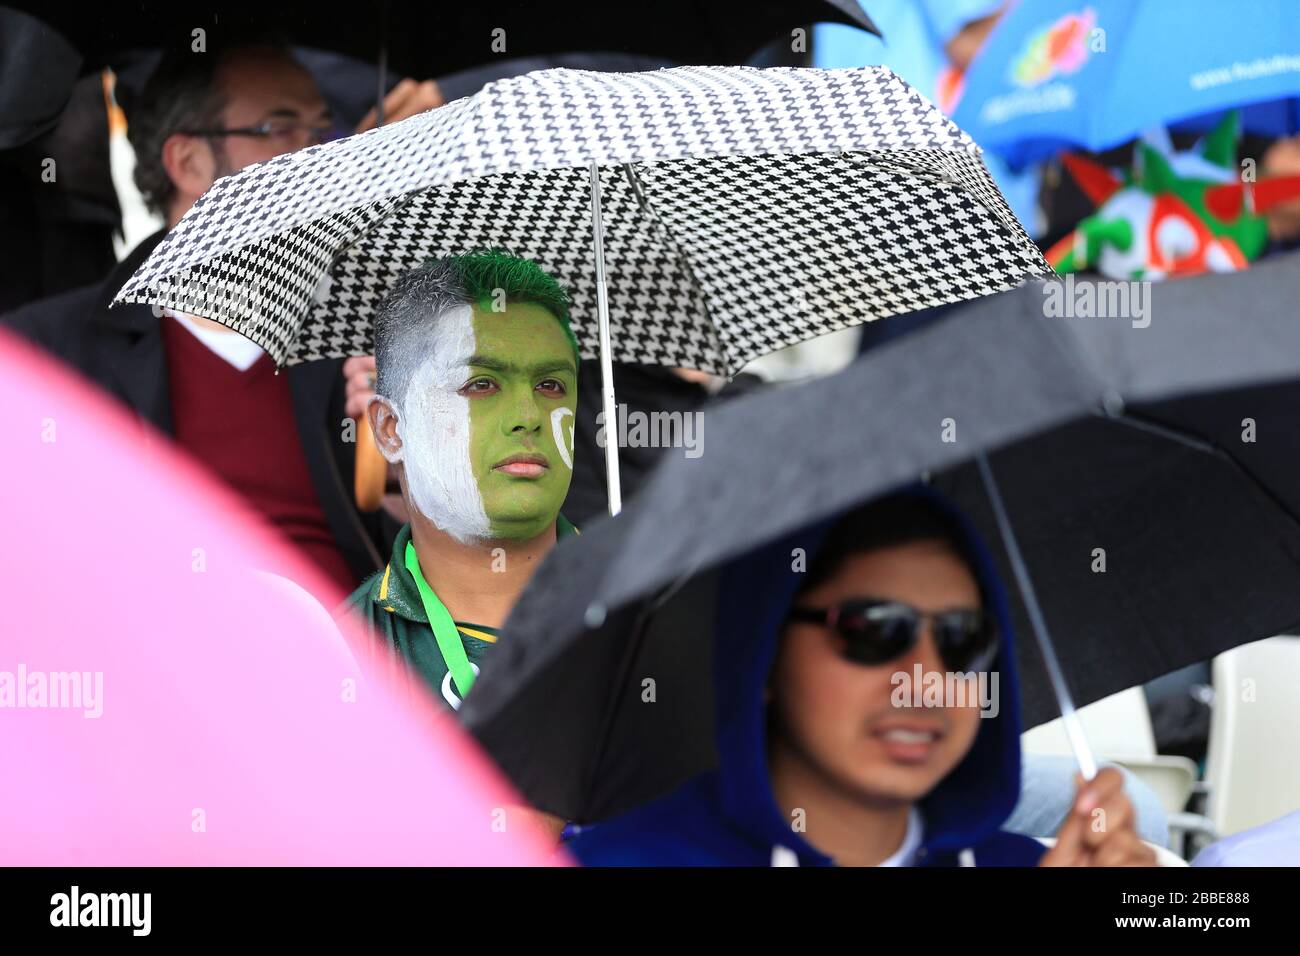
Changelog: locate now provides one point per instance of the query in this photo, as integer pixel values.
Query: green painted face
(522, 390)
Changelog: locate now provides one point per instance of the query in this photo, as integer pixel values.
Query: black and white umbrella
(739, 211)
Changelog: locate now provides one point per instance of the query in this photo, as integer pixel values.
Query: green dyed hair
(429, 290)
(484, 271)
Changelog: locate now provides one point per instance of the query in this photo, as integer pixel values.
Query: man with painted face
(476, 389)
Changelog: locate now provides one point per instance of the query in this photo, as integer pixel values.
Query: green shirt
(388, 605)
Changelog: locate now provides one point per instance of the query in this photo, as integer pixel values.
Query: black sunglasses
(877, 631)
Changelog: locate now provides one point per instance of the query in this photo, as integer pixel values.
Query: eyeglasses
(281, 128)
(877, 631)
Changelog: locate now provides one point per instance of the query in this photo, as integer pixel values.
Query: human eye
(277, 126)
(479, 386)
(552, 387)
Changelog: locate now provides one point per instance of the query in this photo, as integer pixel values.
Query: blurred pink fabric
(231, 725)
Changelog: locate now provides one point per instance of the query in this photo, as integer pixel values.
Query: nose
(526, 414)
(925, 652)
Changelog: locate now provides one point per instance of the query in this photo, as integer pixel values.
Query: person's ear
(383, 418)
(190, 165)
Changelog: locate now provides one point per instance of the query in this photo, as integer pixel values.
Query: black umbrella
(37, 71)
(426, 39)
(1099, 438)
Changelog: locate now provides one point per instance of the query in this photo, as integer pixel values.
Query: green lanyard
(444, 628)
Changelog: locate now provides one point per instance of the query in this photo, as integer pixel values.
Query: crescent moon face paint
(484, 445)
(563, 441)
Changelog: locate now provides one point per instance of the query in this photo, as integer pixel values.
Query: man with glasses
(281, 441)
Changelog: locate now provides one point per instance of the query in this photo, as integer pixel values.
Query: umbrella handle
(371, 476)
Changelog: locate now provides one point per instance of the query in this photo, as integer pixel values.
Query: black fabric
(37, 70)
(1180, 711)
(121, 350)
(1197, 557)
(1202, 548)
(424, 40)
(58, 210)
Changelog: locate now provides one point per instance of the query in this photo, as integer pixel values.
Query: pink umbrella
(166, 697)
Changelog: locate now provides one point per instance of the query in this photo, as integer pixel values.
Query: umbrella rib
(1210, 448)
(638, 190)
(1161, 431)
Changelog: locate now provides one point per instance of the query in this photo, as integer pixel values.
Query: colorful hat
(1173, 213)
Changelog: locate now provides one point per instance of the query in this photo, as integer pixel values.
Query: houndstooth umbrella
(742, 210)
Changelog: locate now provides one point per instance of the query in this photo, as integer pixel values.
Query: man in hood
(867, 714)
(477, 384)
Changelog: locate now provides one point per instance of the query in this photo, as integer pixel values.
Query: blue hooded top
(729, 816)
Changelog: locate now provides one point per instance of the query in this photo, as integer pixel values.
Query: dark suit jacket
(121, 350)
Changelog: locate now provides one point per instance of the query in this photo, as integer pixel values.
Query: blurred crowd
(136, 147)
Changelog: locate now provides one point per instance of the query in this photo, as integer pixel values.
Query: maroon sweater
(242, 426)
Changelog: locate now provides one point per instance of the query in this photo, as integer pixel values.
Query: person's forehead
(927, 573)
(522, 332)
(260, 81)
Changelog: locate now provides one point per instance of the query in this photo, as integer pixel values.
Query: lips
(899, 735)
(523, 466)
(908, 742)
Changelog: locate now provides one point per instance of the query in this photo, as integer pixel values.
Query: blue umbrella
(1092, 74)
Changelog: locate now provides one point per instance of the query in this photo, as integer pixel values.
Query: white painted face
(433, 424)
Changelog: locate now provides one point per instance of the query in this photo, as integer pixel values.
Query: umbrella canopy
(1098, 436)
(433, 38)
(169, 697)
(1058, 74)
(38, 68)
(743, 210)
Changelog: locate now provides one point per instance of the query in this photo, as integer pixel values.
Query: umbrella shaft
(1069, 716)
(606, 362)
(383, 63)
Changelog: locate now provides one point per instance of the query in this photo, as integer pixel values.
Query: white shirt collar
(230, 346)
(904, 855)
